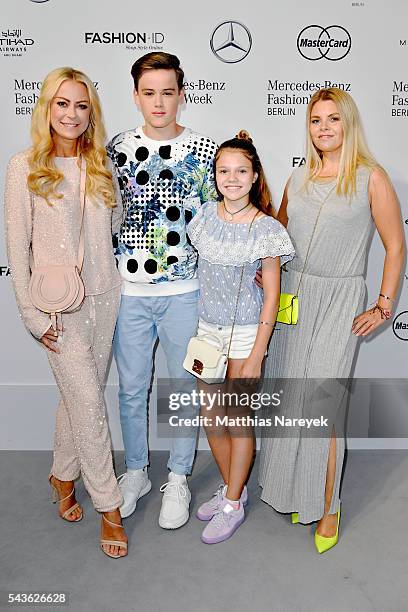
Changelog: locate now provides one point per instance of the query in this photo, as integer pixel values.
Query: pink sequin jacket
(53, 232)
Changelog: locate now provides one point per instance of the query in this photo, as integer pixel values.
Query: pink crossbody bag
(55, 289)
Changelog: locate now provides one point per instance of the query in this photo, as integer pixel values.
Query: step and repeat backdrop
(247, 65)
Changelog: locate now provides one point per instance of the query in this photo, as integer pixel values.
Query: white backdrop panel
(266, 93)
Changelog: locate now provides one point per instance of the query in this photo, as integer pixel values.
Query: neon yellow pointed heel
(295, 518)
(323, 544)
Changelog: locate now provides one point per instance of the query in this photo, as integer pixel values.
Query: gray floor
(268, 565)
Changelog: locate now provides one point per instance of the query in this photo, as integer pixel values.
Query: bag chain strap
(82, 187)
(312, 236)
(239, 290)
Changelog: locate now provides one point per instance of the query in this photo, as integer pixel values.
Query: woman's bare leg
(327, 525)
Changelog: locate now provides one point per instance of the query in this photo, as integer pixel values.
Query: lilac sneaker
(223, 524)
(207, 510)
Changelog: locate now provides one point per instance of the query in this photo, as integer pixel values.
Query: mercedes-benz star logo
(231, 42)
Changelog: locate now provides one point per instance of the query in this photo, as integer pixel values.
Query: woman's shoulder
(19, 161)
(373, 174)
(296, 179)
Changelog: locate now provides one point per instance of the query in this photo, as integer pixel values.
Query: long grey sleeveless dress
(321, 345)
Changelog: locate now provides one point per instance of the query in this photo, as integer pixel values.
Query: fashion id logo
(400, 325)
(4, 271)
(332, 43)
(140, 41)
(13, 43)
(231, 41)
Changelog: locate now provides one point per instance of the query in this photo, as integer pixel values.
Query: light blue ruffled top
(223, 249)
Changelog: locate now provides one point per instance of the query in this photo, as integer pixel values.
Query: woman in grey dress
(329, 207)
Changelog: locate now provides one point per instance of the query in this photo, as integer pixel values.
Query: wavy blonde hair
(354, 151)
(44, 176)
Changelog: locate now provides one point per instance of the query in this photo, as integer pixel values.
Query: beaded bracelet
(265, 323)
(385, 313)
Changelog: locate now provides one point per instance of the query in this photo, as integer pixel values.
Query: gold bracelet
(386, 297)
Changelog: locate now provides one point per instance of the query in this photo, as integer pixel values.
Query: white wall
(224, 97)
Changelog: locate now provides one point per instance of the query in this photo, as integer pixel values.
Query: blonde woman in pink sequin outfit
(42, 207)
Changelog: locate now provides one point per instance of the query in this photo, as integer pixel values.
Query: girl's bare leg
(241, 442)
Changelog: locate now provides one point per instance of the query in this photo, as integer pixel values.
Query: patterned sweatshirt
(163, 183)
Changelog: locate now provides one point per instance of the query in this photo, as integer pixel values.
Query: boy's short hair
(157, 61)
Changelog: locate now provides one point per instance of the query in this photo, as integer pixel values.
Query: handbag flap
(54, 288)
(201, 350)
(288, 309)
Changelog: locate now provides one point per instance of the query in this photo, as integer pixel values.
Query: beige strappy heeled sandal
(113, 542)
(56, 498)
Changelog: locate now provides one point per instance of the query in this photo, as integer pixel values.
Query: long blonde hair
(354, 151)
(44, 176)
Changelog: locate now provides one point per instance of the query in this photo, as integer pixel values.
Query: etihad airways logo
(13, 43)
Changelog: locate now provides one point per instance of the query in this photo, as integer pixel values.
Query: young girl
(235, 237)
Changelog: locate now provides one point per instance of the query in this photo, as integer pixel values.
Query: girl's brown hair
(260, 195)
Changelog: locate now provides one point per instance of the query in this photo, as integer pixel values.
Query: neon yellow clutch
(288, 309)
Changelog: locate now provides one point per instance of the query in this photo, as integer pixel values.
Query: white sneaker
(176, 501)
(133, 485)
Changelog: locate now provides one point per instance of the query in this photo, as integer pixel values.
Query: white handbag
(205, 360)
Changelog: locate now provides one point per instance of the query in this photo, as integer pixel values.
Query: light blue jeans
(173, 319)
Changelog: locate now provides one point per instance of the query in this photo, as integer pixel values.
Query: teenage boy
(165, 174)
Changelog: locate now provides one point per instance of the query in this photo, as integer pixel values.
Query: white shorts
(243, 338)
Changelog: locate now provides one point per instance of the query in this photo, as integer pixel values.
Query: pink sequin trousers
(82, 444)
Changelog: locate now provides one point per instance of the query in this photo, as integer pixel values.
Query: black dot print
(188, 215)
(173, 213)
(173, 238)
(142, 177)
(122, 157)
(150, 266)
(132, 266)
(142, 153)
(166, 174)
(172, 259)
(165, 151)
(115, 242)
